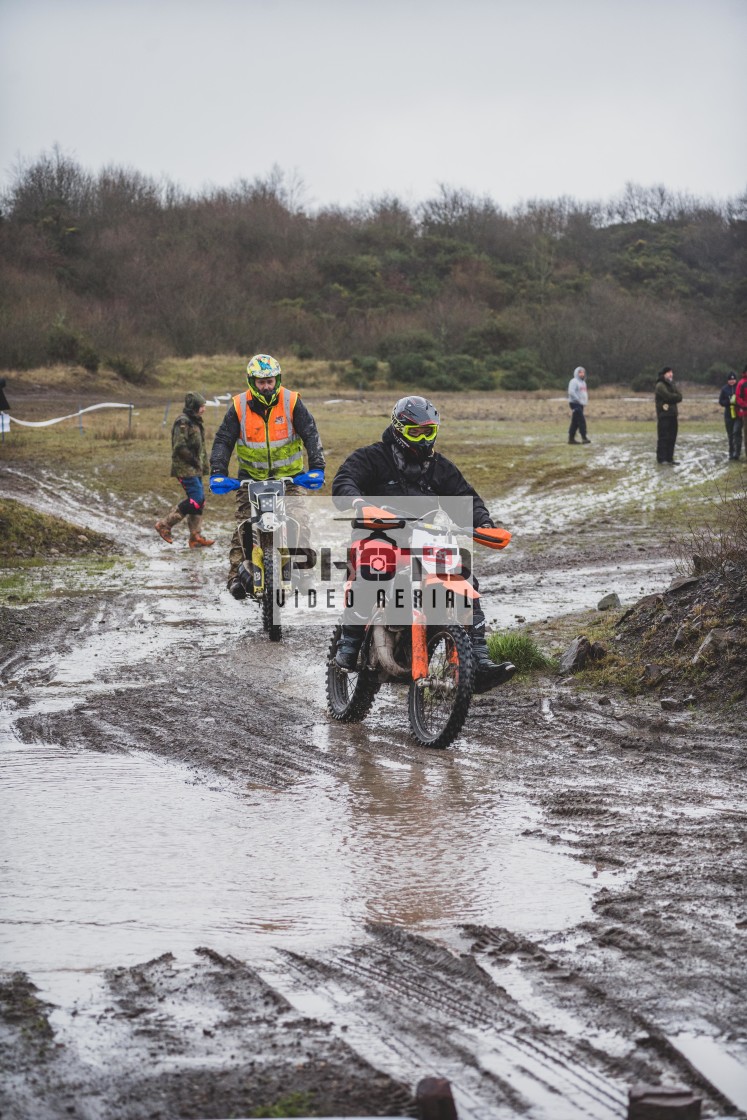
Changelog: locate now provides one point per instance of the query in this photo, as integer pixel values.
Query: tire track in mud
(433, 1012)
(162, 1039)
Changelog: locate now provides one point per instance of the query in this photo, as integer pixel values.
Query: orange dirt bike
(432, 654)
(265, 571)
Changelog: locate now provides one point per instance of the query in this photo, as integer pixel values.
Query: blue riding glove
(221, 484)
(310, 480)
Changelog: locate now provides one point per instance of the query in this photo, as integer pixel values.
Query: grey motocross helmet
(415, 427)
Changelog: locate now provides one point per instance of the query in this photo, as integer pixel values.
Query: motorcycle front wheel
(271, 561)
(438, 706)
(349, 695)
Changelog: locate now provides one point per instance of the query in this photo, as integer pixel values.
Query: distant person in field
(667, 397)
(188, 463)
(578, 398)
(4, 406)
(727, 398)
(741, 406)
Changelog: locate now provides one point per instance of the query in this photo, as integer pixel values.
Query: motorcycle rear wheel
(438, 708)
(271, 560)
(349, 695)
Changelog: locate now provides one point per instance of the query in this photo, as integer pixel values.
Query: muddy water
(112, 859)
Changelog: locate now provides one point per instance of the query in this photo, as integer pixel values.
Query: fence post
(165, 415)
(129, 421)
(80, 417)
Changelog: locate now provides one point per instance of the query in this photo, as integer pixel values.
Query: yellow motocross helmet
(263, 365)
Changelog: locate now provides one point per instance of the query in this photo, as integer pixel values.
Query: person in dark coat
(404, 462)
(727, 398)
(667, 397)
(4, 406)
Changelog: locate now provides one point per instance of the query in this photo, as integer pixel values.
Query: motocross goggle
(416, 433)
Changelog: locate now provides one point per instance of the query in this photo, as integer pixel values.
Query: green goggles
(417, 432)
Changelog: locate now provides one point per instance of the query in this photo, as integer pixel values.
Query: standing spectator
(4, 409)
(667, 397)
(741, 410)
(578, 398)
(188, 464)
(727, 398)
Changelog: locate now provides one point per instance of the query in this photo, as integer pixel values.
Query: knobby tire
(349, 695)
(438, 710)
(273, 630)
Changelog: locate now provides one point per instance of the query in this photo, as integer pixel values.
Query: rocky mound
(690, 641)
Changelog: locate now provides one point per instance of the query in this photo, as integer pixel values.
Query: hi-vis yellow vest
(268, 448)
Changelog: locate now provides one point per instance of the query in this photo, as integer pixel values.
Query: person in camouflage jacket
(188, 463)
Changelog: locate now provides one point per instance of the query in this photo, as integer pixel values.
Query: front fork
(419, 646)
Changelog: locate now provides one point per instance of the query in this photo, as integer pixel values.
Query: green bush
(66, 345)
(489, 340)
(133, 372)
(644, 382)
(368, 366)
(412, 367)
(525, 368)
(520, 649)
(517, 381)
(410, 342)
(464, 371)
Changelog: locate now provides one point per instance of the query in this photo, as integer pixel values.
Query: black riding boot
(348, 647)
(487, 673)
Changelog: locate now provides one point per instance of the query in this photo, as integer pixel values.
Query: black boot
(348, 648)
(240, 585)
(488, 674)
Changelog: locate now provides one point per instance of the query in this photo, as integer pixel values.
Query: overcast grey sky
(515, 99)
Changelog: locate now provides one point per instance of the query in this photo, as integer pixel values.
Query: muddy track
(629, 818)
(556, 1024)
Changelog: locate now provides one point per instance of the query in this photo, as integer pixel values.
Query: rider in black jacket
(405, 463)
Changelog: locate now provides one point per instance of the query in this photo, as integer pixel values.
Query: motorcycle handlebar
(222, 484)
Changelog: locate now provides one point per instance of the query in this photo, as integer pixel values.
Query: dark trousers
(734, 433)
(578, 421)
(666, 432)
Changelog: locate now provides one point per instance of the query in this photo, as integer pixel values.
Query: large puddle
(114, 859)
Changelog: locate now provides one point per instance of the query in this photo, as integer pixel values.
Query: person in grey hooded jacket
(578, 398)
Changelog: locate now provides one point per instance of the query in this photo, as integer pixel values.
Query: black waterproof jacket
(230, 430)
(372, 471)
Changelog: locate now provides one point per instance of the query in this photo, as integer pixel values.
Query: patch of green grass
(31, 580)
(294, 1104)
(521, 649)
(26, 534)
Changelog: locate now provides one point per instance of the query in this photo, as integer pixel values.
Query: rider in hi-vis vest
(269, 426)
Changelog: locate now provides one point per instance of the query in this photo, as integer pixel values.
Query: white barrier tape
(70, 416)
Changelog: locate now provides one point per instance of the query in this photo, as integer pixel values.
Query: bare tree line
(118, 267)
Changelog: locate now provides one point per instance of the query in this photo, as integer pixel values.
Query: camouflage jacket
(188, 453)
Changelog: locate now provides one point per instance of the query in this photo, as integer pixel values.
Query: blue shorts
(195, 499)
